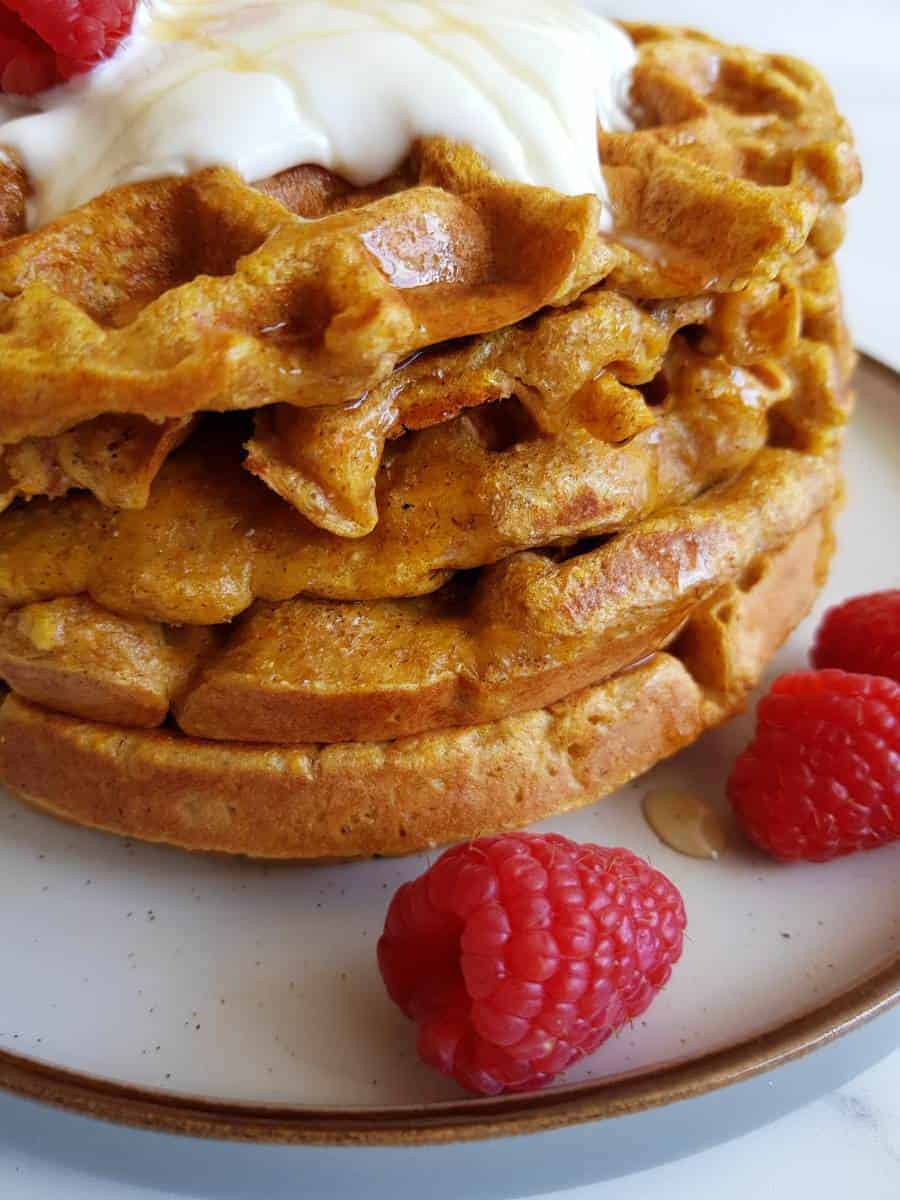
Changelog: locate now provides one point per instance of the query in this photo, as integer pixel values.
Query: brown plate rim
(464, 1120)
(454, 1121)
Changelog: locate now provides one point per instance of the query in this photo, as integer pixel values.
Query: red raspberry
(862, 635)
(516, 956)
(822, 776)
(66, 38)
(27, 65)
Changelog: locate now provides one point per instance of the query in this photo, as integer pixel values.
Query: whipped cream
(263, 85)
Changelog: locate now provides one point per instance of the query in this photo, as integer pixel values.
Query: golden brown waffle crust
(360, 800)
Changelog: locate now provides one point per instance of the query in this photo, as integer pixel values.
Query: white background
(848, 1143)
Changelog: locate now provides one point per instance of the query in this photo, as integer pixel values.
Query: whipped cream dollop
(263, 85)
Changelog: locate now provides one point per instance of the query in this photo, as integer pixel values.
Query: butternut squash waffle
(348, 522)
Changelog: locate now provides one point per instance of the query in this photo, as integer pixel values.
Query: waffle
(212, 541)
(276, 305)
(345, 522)
(363, 799)
(176, 296)
(530, 631)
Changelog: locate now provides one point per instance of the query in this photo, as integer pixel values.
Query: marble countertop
(848, 1142)
(845, 1144)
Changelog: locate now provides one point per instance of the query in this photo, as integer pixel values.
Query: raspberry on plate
(822, 776)
(518, 955)
(44, 42)
(862, 635)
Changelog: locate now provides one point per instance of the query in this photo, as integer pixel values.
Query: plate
(241, 1000)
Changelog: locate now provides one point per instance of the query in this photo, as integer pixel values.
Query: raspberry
(822, 776)
(26, 64)
(516, 956)
(44, 42)
(862, 635)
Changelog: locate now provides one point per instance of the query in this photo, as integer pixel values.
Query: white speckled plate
(211, 989)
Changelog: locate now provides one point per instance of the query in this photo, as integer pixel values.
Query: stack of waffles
(345, 522)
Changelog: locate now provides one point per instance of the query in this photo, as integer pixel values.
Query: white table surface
(848, 1143)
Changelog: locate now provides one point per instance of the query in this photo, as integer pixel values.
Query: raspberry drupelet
(518, 955)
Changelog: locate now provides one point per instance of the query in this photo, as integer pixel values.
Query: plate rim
(465, 1120)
